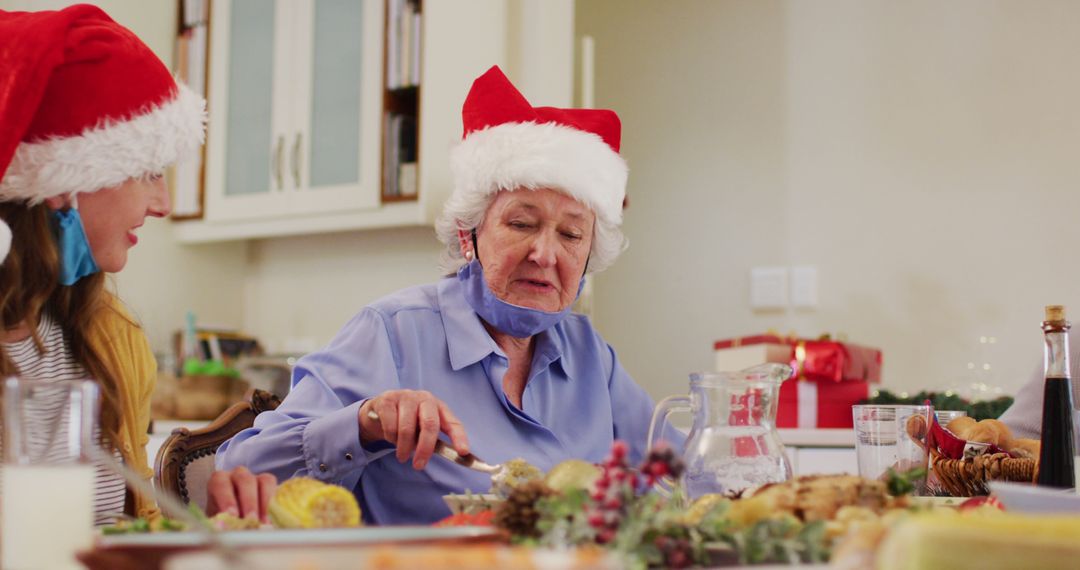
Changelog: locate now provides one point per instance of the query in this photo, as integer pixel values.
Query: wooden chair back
(186, 458)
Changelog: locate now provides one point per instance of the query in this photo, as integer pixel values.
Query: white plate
(1027, 498)
(484, 557)
(471, 504)
(307, 537)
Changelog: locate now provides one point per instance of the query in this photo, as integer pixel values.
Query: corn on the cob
(936, 541)
(302, 502)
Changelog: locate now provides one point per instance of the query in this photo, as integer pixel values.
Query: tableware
(46, 508)
(733, 443)
(1029, 498)
(471, 503)
(946, 416)
(891, 437)
(426, 556)
(301, 537)
(499, 473)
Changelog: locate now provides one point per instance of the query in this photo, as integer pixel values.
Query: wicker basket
(969, 477)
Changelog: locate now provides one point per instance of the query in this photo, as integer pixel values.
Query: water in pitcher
(741, 457)
(733, 444)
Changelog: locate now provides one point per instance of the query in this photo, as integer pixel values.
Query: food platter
(428, 557)
(313, 537)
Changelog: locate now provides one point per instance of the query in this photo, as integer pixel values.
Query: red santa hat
(85, 105)
(508, 143)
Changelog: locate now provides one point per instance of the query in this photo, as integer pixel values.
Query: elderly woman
(491, 356)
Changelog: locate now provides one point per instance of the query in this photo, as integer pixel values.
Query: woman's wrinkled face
(111, 217)
(533, 245)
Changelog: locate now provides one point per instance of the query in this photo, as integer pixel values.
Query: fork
(498, 472)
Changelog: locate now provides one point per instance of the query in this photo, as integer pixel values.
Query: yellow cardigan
(119, 341)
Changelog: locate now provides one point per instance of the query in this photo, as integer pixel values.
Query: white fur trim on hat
(532, 155)
(107, 154)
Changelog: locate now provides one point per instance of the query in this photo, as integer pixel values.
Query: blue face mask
(76, 259)
(518, 322)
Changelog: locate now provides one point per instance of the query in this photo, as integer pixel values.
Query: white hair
(466, 211)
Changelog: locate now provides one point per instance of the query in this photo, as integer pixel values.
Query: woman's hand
(241, 493)
(411, 420)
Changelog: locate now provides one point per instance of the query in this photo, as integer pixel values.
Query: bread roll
(1024, 448)
(916, 428)
(960, 426)
(990, 431)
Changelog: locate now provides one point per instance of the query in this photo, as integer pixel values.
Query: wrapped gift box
(828, 378)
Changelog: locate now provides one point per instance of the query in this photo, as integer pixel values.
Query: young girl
(90, 119)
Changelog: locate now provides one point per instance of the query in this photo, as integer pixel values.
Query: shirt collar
(469, 342)
(466, 338)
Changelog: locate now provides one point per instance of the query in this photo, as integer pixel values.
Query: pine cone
(518, 514)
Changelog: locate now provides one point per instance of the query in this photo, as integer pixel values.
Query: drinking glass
(47, 480)
(891, 437)
(946, 416)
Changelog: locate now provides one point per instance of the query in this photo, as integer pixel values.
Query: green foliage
(651, 518)
(903, 483)
(783, 539)
(946, 401)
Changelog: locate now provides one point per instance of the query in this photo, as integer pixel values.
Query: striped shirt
(54, 365)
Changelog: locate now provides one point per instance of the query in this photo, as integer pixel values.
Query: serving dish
(312, 537)
(1028, 498)
(471, 503)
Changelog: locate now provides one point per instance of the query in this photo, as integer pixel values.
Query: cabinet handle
(296, 159)
(278, 149)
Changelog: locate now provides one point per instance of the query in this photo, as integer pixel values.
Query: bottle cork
(1055, 313)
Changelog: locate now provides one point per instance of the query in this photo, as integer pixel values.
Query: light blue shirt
(577, 401)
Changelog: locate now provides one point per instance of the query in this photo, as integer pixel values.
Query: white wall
(920, 154)
(299, 291)
(163, 280)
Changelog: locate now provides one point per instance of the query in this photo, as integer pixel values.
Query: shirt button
(348, 457)
(323, 467)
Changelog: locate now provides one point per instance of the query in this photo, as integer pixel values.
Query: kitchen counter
(801, 437)
(160, 429)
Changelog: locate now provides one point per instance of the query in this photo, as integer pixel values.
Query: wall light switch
(804, 287)
(768, 287)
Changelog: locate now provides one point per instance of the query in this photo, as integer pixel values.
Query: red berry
(678, 559)
(605, 536)
(619, 449)
(613, 503)
(596, 519)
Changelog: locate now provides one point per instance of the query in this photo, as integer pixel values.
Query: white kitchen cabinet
(296, 103)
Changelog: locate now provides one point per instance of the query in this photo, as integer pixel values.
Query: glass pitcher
(733, 444)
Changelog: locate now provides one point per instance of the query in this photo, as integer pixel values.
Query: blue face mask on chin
(76, 259)
(516, 321)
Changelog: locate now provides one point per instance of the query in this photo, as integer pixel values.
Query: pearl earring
(468, 255)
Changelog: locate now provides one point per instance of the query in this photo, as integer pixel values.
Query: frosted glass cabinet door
(337, 59)
(249, 151)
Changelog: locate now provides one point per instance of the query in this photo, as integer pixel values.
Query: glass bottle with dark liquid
(1056, 456)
